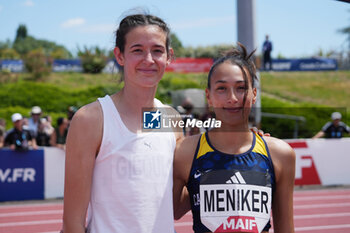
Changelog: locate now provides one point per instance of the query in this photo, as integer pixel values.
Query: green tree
(9, 53)
(5, 45)
(48, 47)
(24, 43)
(93, 59)
(60, 53)
(21, 33)
(6, 51)
(38, 64)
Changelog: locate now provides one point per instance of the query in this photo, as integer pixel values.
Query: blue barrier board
(21, 175)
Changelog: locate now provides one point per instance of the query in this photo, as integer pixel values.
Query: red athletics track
(321, 211)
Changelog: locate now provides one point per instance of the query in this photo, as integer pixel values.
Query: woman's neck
(130, 102)
(136, 98)
(231, 141)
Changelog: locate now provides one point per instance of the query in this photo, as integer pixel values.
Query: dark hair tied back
(240, 57)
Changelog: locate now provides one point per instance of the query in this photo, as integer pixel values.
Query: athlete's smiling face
(145, 55)
(227, 92)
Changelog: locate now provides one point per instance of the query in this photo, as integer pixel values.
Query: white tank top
(132, 179)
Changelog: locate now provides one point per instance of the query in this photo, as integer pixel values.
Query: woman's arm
(283, 158)
(83, 142)
(184, 153)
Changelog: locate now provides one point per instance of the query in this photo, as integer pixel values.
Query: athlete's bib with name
(235, 200)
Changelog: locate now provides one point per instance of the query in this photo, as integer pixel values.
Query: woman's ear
(254, 95)
(170, 56)
(118, 56)
(207, 95)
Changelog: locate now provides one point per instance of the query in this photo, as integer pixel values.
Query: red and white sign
(190, 65)
(305, 170)
(321, 161)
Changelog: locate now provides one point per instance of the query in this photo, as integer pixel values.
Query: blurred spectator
(2, 131)
(19, 138)
(59, 135)
(42, 137)
(49, 128)
(34, 120)
(71, 111)
(334, 128)
(25, 124)
(267, 48)
(3, 123)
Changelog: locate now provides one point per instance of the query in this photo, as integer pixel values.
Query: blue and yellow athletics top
(231, 192)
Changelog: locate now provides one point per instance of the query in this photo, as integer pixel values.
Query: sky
(297, 28)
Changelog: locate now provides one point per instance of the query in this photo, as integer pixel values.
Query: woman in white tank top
(119, 175)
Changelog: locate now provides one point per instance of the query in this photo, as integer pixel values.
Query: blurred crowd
(35, 131)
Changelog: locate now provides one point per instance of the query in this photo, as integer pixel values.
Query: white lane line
(333, 215)
(30, 213)
(29, 223)
(328, 197)
(327, 227)
(316, 206)
(321, 191)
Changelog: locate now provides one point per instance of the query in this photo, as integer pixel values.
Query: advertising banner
(190, 65)
(21, 175)
(64, 65)
(12, 65)
(322, 161)
(307, 64)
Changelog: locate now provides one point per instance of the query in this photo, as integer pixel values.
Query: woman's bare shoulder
(87, 122)
(283, 159)
(276, 144)
(280, 149)
(85, 130)
(89, 112)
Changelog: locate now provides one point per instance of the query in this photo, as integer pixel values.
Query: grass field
(319, 88)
